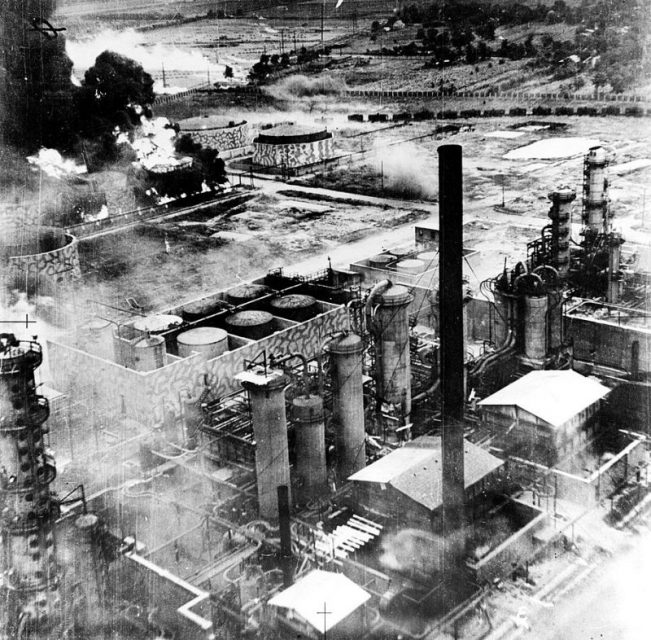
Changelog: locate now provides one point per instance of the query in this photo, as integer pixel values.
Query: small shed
(320, 604)
(545, 415)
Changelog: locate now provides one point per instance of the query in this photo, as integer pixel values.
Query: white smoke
(407, 171)
(412, 550)
(182, 67)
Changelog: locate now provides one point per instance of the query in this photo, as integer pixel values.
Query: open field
(276, 228)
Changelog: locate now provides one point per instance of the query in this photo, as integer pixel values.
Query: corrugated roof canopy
(416, 469)
(308, 596)
(552, 396)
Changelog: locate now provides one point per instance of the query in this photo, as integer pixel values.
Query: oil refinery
(369, 452)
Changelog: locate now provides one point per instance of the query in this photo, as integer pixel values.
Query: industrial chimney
(451, 327)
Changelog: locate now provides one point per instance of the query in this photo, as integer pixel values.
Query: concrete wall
(608, 343)
(294, 154)
(630, 403)
(58, 265)
(516, 549)
(584, 491)
(222, 138)
(145, 396)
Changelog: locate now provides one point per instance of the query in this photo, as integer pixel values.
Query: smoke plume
(299, 86)
(36, 95)
(407, 171)
(412, 551)
(182, 67)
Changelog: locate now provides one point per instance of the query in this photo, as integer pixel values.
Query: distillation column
(267, 394)
(535, 326)
(561, 217)
(310, 447)
(348, 404)
(596, 210)
(391, 330)
(29, 580)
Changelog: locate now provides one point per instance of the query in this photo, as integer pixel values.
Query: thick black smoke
(36, 91)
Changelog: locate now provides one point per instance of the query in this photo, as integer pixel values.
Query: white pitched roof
(308, 596)
(552, 396)
(417, 469)
(392, 465)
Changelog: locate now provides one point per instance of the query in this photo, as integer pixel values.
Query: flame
(54, 165)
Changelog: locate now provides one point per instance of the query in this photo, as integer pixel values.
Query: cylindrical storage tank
(381, 261)
(410, 266)
(194, 311)
(310, 447)
(149, 353)
(157, 323)
(251, 324)
(246, 293)
(296, 307)
(97, 338)
(429, 258)
(503, 316)
(391, 329)
(208, 342)
(267, 395)
(348, 404)
(535, 327)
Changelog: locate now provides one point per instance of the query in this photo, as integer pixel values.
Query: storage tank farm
(29, 573)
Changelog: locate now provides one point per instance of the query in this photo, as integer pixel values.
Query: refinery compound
(325, 320)
(366, 451)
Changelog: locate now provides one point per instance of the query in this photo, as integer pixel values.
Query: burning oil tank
(208, 342)
(253, 325)
(246, 293)
(297, 307)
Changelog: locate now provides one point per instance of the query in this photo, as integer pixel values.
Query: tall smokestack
(451, 325)
(285, 535)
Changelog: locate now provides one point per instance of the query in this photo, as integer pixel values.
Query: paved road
(613, 604)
